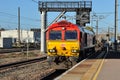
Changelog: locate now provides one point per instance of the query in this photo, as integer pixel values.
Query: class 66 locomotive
(68, 42)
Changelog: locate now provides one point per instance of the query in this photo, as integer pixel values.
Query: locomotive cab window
(55, 35)
(70, 35)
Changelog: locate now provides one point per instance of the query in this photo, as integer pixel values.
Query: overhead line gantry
(82, 9)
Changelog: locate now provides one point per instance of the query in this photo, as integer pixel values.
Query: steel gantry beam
(82, 9)
(65, 5)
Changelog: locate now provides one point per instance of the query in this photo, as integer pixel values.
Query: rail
(15, 50)
(17, 64)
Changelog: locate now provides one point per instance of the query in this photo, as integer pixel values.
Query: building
(12, 35)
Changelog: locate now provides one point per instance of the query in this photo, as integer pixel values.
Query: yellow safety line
(99, 69)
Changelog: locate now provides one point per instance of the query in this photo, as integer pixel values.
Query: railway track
(14, 50)
(58, 72)
(21, 63)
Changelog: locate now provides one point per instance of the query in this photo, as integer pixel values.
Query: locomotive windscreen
(70, 35)
(55, 35)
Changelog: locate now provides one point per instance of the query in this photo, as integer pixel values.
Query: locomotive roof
(65, 22)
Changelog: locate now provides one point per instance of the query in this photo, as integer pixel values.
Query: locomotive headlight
(52, 50)
(74, 51)
(63, 28)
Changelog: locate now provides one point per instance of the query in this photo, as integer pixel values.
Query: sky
(30, 15)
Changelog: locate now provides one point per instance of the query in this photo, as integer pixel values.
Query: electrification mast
(116, 23)
(19, 26)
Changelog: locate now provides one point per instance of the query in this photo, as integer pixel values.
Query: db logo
(63, 45)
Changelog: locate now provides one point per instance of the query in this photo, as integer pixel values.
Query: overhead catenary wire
(11, 19)
(23, 17)
(15, 23)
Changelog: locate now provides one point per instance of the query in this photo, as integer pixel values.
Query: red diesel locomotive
(68, 41)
